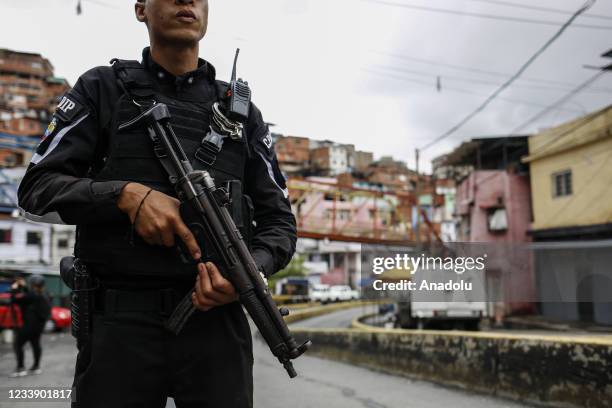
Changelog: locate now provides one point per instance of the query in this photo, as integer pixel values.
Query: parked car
(341, 293)
(8, 317)
(319, 293)
(336, 293)
(60, 319)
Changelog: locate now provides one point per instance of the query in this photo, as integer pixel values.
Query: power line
(540, 8)
(580, 123)
(483, 15)
(102, 3)
(568, 85)
(559, 102)
(506, 84)
(465, 91)
(479, 81)
(39, 6)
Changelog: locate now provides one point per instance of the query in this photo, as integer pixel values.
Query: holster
(75, 275)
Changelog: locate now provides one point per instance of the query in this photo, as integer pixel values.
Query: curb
(357, 324)
(297, 315)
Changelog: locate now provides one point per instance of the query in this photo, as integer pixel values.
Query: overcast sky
(352, 70)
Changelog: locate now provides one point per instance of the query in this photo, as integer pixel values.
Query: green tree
(294, 268)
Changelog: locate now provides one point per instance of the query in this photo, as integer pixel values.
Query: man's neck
(175, 60)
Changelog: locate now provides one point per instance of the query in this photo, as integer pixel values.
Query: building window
(344, 215)
(33, 238)
(62, 243)
(497, 220)
(6, 236)
(562, 183)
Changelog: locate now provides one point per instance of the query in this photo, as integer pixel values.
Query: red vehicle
(60, 316)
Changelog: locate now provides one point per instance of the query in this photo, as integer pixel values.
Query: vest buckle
(206, 153)
(210, 147)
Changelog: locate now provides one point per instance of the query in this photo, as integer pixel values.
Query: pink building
(493, 208)
(324, 208)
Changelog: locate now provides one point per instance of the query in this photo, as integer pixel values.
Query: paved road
(321, 383)
(342, 319)
(330, 384)
(59, 353)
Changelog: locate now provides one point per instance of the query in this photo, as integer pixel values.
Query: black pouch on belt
(75, 275)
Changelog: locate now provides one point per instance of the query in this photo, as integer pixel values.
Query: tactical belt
(162, 301)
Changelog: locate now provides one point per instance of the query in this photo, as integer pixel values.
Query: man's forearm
(274, 242)
(76, 200)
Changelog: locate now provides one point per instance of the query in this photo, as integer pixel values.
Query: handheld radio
(239, 95)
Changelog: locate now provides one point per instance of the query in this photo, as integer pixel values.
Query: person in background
(35, 311)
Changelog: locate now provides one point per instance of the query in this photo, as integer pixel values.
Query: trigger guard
(182, 251)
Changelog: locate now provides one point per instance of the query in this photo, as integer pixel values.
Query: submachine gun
(204, 209)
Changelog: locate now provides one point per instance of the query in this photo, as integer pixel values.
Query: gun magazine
(181, 314)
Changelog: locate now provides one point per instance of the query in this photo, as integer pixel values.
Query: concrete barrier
(302, 313)
(557, 371)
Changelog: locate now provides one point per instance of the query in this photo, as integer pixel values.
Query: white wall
(338, 159)
(47, 252)
(18, 250)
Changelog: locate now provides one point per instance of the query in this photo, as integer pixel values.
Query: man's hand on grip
(211, 288)
(158, 220)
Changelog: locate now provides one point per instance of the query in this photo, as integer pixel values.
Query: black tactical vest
(130, 157)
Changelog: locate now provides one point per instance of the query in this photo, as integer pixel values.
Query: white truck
(444, 309)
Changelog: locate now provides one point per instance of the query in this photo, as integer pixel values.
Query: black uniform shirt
(57, 187)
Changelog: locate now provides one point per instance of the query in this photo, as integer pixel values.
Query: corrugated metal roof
(487, 152)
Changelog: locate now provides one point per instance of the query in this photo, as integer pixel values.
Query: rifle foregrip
(264, 323)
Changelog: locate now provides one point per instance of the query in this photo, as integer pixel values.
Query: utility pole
(418, 205)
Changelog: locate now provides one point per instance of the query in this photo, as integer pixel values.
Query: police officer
(111, 185)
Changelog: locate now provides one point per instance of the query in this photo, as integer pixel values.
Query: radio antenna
(235, 62)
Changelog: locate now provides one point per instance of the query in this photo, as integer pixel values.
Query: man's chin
(183, 38)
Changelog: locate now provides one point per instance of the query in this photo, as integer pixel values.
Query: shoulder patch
(68, 108)
(267, 140)
(50, 128)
